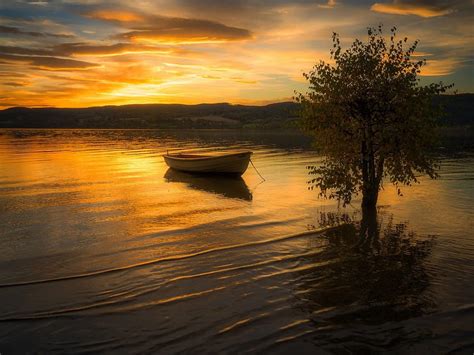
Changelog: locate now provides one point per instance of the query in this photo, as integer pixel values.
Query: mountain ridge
(459, 112)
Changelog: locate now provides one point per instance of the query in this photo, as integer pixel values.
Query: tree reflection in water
(373, 273)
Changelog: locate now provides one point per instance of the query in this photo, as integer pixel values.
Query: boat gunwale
(203, 156)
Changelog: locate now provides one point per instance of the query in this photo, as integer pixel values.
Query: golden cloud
(115, 15)
(172, 37)
(399, 8)
(156, 28)
(440, 67)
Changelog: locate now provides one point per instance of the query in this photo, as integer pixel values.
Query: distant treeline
(459, 112)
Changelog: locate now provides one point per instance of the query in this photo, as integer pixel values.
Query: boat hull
(231, 163)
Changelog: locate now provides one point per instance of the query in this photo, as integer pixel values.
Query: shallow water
(105, 250)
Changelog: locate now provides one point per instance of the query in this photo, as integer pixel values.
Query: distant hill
(459, 109)
(222, 115)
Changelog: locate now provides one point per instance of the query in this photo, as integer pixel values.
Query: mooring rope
(251, 162)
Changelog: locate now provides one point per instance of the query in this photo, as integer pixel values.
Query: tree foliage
(370, 117)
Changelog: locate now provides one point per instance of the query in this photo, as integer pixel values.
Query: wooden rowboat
(234, 163)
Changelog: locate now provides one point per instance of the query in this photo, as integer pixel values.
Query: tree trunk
(369, 231)
(370, 195)
(370, 180)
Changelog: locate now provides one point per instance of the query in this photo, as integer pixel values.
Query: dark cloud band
(48, 62)
(16, 31)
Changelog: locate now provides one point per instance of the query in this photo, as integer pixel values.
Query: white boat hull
(229, 163)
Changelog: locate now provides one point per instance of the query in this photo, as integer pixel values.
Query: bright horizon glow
(79, 53)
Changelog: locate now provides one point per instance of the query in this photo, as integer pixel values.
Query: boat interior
(179, 155)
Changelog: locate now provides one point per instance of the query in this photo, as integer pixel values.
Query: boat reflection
(227, 186)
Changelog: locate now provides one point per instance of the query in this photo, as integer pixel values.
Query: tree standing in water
(370, 118)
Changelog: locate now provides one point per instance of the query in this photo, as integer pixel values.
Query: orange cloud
(421, 54)
(155, 28)
(440, 67)
(178, 38)
(114, 15)
(398, 8)
(244, 81)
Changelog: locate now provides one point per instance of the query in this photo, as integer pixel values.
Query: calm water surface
(103, 249)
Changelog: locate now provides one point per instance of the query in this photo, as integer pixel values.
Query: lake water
(102, 249)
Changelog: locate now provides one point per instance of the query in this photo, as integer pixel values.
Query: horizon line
(142, 104)
(183, 104)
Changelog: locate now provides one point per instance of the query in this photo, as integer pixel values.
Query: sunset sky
(78, 53)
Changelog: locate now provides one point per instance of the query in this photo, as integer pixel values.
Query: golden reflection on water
(125, 181)
(152, 251)
(113, 195)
